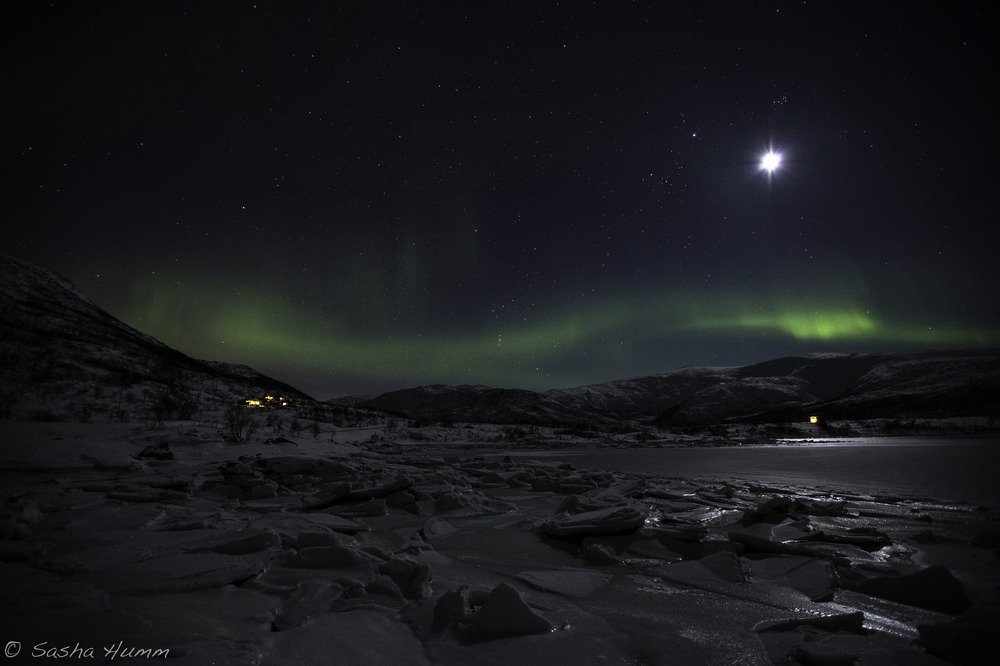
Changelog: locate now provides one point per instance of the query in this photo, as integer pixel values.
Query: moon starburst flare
(770, 162)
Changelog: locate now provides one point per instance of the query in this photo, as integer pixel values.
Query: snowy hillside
(61, 356)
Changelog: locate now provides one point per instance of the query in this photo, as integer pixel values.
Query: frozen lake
(964, 470)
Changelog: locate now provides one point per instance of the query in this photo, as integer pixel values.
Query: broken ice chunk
(620, 519)
(505, 613)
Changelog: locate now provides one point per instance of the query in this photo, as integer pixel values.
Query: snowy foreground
(122, 543)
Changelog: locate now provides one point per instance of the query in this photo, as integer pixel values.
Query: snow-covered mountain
(61, 356)
(931, 384)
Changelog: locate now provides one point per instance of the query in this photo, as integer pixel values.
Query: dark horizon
(354, 200)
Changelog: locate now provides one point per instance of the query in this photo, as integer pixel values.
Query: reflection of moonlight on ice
(770, 161)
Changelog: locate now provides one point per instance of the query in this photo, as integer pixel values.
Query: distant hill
(930, 384)
(61, 356)
(480, 404)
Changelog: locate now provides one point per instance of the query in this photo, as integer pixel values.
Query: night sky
(358, 197)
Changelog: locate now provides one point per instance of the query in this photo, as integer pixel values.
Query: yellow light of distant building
(813, 419)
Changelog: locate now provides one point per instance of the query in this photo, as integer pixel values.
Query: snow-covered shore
(138, 543)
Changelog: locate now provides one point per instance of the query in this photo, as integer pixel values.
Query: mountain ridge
(832, 386)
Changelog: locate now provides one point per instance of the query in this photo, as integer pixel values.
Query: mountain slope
(835, 386)
(61, 354)
(924, 384)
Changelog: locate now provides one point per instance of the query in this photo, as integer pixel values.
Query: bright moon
(770, 162)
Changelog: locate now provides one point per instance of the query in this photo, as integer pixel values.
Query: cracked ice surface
(307, 552)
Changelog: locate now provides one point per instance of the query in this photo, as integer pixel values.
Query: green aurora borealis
(575, 343)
